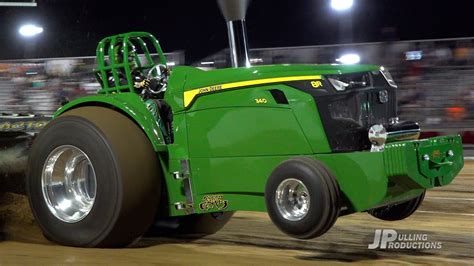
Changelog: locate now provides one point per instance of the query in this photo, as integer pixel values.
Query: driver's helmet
(120, 51)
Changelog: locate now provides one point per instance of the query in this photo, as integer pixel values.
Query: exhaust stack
(234, 12)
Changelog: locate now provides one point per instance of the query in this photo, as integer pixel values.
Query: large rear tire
(398, 211)
(302, 198)
(93, 179)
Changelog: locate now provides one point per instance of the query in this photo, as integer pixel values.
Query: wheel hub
(292, 199)
(69, 183)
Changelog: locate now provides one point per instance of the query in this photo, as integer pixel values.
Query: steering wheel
(160, 74)
(157, 71)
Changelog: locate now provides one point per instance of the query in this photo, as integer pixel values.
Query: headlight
(388, 77)
(338, 85)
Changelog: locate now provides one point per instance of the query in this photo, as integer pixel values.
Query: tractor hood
(200, 78)
(349, 98)
(199, 82)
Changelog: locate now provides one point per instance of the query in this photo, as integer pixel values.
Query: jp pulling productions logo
(391, 239)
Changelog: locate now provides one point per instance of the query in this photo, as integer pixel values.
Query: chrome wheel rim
(292, 199)
(69, 183)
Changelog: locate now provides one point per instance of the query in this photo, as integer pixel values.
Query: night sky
(73, 27)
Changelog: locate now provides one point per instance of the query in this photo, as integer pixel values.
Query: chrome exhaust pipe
(234, 12)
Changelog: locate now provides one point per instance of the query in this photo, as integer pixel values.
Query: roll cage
(148, 55)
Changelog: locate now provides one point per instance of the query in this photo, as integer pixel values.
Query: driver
(150, 87)
(147, 87)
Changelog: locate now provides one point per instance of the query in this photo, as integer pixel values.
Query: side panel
(245, 131)
(306, 112)
(241, 181)
(236, 139)
(244, 122)
(249, 122)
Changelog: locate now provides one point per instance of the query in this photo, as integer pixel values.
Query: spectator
(462, 53)
(443, 54)
(457, 112)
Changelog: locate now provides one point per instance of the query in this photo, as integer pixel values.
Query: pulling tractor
(305, 143)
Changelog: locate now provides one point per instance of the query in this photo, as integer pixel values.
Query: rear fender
(129, 104)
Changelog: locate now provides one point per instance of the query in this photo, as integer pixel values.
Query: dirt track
(446, 215)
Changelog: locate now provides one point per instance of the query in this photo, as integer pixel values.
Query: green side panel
(245, 131)
(258, 126)
(129, 103)
(237, 138)
(306, 112)
(300, 115)
(241, 180)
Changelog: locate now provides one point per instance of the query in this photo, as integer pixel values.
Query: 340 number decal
(261, 100)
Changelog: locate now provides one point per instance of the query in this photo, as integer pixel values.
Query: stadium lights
(30, 30)
(18, 3)
(349, 59)
(341, 5)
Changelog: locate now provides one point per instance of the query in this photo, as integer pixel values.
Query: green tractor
(305, 143)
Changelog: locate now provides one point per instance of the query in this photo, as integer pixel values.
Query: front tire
(302, 198)
(93, 179)
(398, 211)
